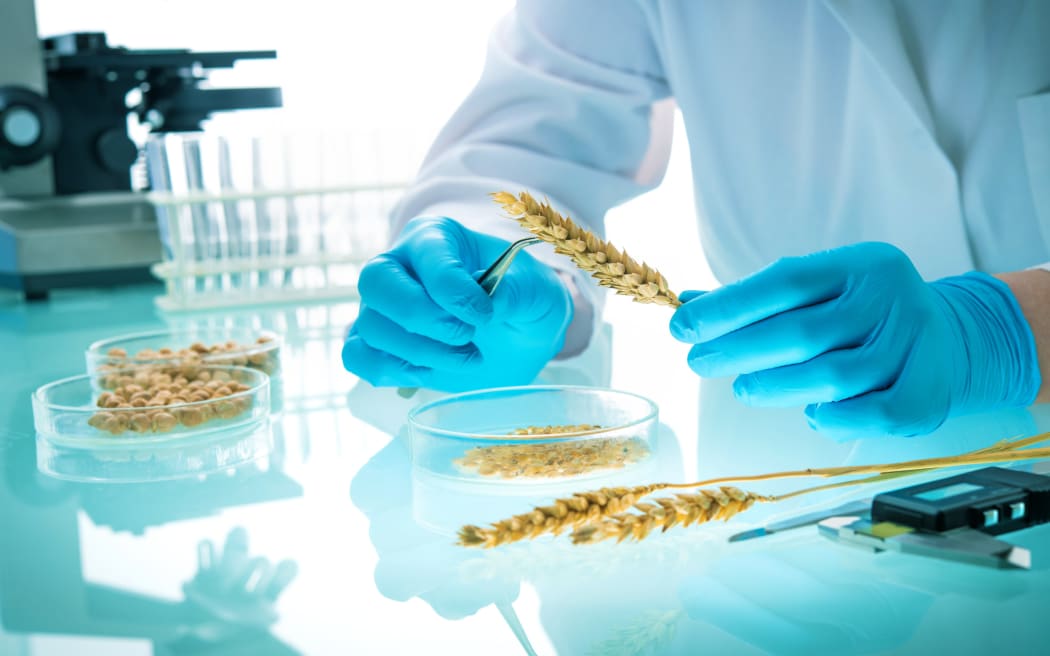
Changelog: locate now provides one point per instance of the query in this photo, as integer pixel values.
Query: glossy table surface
(95, 568)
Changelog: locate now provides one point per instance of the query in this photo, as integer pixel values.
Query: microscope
(71, 214)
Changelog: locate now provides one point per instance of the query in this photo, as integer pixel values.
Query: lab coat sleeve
(572, 106)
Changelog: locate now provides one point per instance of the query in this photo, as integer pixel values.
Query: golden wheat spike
(610, 266)
(563, 513)
(664, 513)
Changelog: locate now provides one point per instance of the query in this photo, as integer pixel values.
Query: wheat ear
(611, 266)
(590, 507)
(555, 518)
(724, 502)
(663, 513)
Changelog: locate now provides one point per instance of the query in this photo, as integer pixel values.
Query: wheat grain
(610, 266)
(701, 506)
(556, 430)
(555, 518)
(553, 459)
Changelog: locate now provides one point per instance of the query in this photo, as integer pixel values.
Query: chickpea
(99, 419)
(191, 417)
(103, 399)
(226, 409)
(117, 352)
(164, 421)
(208, 411)
(112, 425)
(140, 423)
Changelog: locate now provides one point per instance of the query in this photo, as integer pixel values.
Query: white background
(398, 66)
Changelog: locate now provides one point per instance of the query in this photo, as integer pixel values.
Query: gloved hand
(857, 335)
(425, 322)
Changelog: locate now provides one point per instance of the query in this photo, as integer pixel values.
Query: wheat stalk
(601, 514)
(610, 266)
(555, 518)
(701, 506)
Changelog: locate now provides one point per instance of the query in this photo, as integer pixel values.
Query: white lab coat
(811, 124)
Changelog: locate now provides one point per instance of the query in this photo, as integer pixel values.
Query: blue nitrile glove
(857, 335)
(425, 322)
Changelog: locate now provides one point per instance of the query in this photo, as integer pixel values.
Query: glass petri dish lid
(151, 423)
(533, 434)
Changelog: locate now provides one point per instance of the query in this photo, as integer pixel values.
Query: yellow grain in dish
(152, 388)
(553, 459)
(196, 354)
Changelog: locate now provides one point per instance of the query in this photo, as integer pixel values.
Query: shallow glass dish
(79, 439)
(478, 436)
(256, 349)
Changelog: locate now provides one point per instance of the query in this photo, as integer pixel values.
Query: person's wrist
(996, 363)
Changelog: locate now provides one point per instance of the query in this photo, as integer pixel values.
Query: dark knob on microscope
(29, 127)
(115, 151)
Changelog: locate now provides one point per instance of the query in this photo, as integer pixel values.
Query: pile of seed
(553, 459)
(226, 353)
(153, 399)
(555, 430)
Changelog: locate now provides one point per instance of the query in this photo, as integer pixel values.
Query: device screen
(947, 491)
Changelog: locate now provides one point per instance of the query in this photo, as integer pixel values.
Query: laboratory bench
(331, 543)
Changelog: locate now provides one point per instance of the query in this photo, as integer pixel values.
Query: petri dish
(255, 349)
(532, 435)
(259, 350)
(162, 437)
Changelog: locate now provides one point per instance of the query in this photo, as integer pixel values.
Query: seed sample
(158, 398)
(553, 459)
(197, 354)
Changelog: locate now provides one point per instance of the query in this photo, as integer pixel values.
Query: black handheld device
(992, 500)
